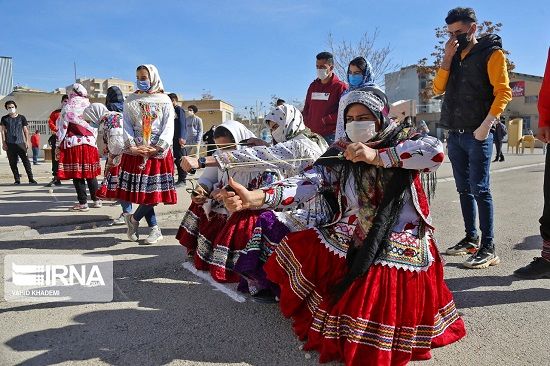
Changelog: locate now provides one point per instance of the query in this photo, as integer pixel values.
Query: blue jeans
(35, 152)
(471, 160)
(147, 211)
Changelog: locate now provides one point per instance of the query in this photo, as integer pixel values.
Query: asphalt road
(164, 314)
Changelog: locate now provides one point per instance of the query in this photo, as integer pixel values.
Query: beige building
(525, 91)
(97, 88)
(211, 111)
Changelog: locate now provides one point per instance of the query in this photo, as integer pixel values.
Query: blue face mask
(355, 80)
(143, 85)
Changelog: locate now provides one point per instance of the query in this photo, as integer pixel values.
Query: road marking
(503, 170)
(206, 276)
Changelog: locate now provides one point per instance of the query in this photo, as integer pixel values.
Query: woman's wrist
(258, 199)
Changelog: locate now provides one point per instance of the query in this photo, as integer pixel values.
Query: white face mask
(278, 134)
(322, 73)
(190, 113)
(11, 110)
(361, 131)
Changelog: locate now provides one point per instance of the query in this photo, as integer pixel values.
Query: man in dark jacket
(322, 98)
(15, 141)
(474, 99)
(178, 142)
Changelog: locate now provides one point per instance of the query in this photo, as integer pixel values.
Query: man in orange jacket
(474, 77)
(540, 266)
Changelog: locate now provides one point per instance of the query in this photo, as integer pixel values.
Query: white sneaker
(154, 236)
(132, 232)
(97, 204)
(118, 221)
(79, 207)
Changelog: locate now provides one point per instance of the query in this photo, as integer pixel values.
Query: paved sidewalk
(49, 206)
(25, 206)
(164, 314)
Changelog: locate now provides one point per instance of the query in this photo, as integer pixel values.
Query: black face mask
(463, 42)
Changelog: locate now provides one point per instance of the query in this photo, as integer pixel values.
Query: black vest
(469, 93)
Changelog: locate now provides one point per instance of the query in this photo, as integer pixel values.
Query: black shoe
(17, 182)
(538, 268)
(496, 159)
(264, 297)
(464, 247)
(484, 258)
(57, 182)
(501, 158)
(32, 181)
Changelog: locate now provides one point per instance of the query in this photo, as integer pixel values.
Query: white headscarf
(238, 130)
(368, 99)
(154, 78)
(289, 119)
(77, 90)
(94, 112)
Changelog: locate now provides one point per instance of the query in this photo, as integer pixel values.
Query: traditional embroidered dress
(148, 120)
(110, 123)
(400, 308)
(202, 223)
(297, 149)
(76, 139)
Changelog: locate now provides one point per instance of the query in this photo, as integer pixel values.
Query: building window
(228, 116)
(531, 99)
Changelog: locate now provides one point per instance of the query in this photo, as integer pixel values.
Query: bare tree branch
(345, 51)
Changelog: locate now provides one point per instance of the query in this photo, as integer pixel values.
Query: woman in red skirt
(206, 230)
(110, 123)
(146, 174)
(367, 287)
(76, 148)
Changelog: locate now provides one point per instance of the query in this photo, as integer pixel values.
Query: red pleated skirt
(228, 244)
(197, 233)
(150, 183)
(78, 162)
(388, 317)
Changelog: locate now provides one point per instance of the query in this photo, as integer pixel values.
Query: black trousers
(545, 219)
(179, 152)
(80, 186)
(55, 164)
(498, 148)
(16, 151)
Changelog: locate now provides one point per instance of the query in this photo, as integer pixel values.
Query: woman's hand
(139, 150)
(201, 196)
(217, 194)
(240, 198)
(149, 151)
(253, 141)
(358, 151)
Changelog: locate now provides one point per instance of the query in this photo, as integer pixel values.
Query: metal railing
(41, 126)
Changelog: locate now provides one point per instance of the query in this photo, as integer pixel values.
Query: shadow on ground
(178, 319)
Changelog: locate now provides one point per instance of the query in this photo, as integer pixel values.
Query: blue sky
(242, 51)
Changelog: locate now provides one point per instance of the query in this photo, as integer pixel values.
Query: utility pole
(74, 64)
